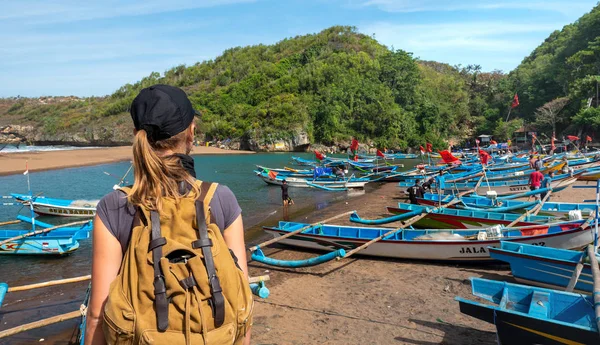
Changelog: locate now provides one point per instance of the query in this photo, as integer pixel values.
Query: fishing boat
(493, 205)
(533, 315)
(58, 207)
(304, 162)
(55, 242)
(503, 188)
(438, 245)
(452, 218)
(544, 266)
(351, 182)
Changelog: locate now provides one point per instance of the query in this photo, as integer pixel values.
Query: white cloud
(568, 8)
(41, 11)
(485, 43)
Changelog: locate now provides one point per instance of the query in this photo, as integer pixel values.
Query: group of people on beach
(537, 180)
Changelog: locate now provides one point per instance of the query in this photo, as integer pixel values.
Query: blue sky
(85, 48)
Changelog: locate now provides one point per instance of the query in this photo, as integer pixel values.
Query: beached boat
(485, 204)
(304, 162)
(55, 242)
(544, 266)
(503, 188)
(533, 315)
(58, 207)
(438, 245)
(451, 218)
(309, 183)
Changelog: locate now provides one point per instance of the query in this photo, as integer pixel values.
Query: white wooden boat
(59, 207)
(438, 245)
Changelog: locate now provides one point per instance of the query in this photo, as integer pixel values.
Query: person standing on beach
(155, 272)
(532, 161)
(284, 194)
(547, 183)
(535, 181)
(415, 192)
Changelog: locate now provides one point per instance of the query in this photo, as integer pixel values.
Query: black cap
(162, 111)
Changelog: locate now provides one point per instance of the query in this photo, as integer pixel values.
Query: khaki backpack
(178, 282)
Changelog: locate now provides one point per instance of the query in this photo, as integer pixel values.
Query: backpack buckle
(159, 285)
(215, 284)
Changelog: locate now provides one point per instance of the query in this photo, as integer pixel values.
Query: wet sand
(361, 300)
(14, 163)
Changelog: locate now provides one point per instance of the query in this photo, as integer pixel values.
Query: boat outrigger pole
(258, 255)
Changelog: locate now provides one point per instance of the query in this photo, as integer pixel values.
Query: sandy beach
(362, 300)
(14, 163)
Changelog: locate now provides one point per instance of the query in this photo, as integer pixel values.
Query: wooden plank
(277, 239)
(40, 323)
(596, 278)
(50, 283)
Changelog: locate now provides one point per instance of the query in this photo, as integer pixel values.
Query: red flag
(319, 155)
(355, 158)
(429, 147)
(380, 154)
(447, 157)
(354, 145)
(572, 137)
(515, 102)
(493, 142)
(272, 174)
(588, 138)
(422, 150)
(484, 156)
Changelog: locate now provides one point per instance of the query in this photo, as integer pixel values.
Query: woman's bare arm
(106, 262)
(234, 238)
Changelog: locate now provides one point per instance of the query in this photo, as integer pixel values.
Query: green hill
(327, 87)
(566, 64)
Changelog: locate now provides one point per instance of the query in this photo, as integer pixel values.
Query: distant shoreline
(14, 163)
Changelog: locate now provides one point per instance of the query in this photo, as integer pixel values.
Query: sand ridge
(14, 163)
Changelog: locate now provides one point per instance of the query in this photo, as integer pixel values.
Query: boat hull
(515, 329)
(545, 267)
(450, 221)
(59, 207)
(440, 250)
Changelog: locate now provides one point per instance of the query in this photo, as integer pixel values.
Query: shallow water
(258, 200)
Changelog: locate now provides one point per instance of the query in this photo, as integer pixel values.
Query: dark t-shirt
(117, 214)
(284, 191)
(415, 192)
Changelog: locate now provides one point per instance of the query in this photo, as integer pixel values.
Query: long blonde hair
(158, 176)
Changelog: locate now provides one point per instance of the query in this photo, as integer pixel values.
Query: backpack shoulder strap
(204, 243)
(125, 189)
(207, 192)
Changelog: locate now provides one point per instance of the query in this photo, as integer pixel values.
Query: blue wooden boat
(504, 188)
(325, 181)
(544, 266)
(304, 162)
(477, 203)
(55, 242)
(451, 218)
(484, 204)
(329, 189)
(533, 315)
(58, 207)
(427, 244)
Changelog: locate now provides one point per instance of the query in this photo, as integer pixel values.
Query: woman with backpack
(169, 258)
